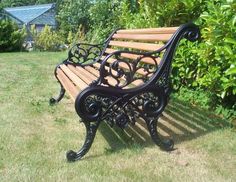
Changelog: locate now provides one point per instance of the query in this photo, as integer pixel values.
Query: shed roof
(28, 13)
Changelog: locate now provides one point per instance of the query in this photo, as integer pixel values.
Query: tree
(72, 14)
(14, 3)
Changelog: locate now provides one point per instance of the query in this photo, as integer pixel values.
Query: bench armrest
(124, 72)
(87, 54)
(158, 69)
(84, 53)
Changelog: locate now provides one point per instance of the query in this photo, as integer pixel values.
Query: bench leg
(167, 144)
(91, 129)
(53, 101)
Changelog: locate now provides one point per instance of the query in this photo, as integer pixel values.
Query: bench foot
(53, 101)
(91, 129)
(167, 144)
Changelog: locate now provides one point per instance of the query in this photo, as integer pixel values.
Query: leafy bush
(73, 14)
(153, 13)
(11, 37)
(47, 39)
(104, 17)
(219, 48)
(211, 64)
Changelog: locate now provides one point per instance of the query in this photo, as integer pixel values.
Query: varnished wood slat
(164, 30)
(82, 74)
(92, 70)
(136, 45)
(97, 65)
(134, 56)
(143, 37)
(86, 73)
(78, 82)
(67, 84)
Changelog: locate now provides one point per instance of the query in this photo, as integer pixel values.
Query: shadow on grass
(180, 121)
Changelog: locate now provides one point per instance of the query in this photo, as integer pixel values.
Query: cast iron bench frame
(116, 103)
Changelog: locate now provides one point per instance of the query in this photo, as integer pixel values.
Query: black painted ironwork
(53, 100)
(118, 104)
(86, 54)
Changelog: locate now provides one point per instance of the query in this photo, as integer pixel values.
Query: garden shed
(38, 15)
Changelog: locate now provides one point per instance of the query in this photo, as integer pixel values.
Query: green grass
(34, 136)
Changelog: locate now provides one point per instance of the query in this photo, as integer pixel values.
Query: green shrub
(153, 13)
(47, 39)
(72, 14)
(219, 48)
(11, 37)
(104, 17)
(210, 64)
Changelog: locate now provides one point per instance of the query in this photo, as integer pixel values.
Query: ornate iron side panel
(87, 54)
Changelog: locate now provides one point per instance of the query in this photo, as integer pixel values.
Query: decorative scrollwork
(192, 34)
(94, 106)
(85, 53)
(121, 72)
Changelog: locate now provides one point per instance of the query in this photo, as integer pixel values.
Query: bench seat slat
(136, 45)
(74, 78)
(82, 74)
(78, 82)
(67, 84)
(92, 70)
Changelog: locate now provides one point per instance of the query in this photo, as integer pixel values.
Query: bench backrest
(138, 60)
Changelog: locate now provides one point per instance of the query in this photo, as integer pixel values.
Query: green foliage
(211, 64)
(72, 14)
(14, 3)
(47, 39)
(70, 38)
(104, 17)
(153, 13)
(219, 48)
(11, 38)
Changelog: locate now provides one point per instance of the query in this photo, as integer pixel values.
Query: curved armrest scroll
(84, 54)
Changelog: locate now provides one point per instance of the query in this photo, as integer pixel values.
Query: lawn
(35, 136)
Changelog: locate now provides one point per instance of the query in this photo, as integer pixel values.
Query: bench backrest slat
(164, 30)
(138, 65)
(136, 45)
(133, 56)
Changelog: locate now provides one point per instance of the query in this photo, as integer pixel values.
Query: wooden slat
(78, 82)
(97, 65)
(67, 84)
(134, 56)
(82, 74)
(136, 45)
(92, 70)
(165, 30)
(143, 37)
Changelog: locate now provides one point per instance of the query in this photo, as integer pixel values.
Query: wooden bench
(121, 80)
